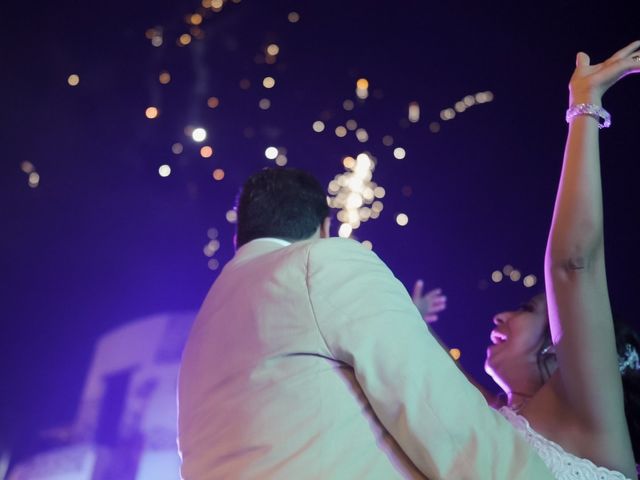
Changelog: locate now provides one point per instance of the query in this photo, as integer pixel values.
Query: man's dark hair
(280, 202)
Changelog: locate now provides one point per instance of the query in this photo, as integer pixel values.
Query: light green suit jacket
(310, 361)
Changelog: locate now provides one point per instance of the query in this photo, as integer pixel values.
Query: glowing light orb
(231, 216)
(399, 153)
(293, 17)
(164, 170)
(402, 219)
(345, 230)
(151, 112)
(264, 104)
(340, 131)
(199, 134)
(271, 153)
(164, 77)
(268, 82)
(34, 179)
(414, 112)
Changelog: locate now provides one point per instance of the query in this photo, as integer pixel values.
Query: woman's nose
(500, 318)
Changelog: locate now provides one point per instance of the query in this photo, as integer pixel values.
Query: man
(309, 360)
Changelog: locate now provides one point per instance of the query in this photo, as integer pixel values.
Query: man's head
(282, 203)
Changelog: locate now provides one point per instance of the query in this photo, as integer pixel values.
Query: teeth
(497, 337)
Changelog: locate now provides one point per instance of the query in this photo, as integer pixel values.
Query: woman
(563, 372)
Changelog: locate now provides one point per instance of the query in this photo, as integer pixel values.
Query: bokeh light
(318, 126)
(164, 77)
(271, 153)
(27, 167)
(151, 112)
(231, 216)
(362, 135)
(402, 219)
(164, 170)
(293, 17)
(218, 174)
(463, 105)
(340, 131)
(353, 191)
(414, 112)
(264, 104)
(399, 153)
(206, 151)
(199, 134)
(73, 79)
(34, 179)
(268, 82)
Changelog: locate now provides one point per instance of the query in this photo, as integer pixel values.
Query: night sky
(103, 239)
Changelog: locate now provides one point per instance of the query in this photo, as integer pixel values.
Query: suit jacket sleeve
(443, 424)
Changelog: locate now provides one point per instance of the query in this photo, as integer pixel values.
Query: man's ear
(325, 228)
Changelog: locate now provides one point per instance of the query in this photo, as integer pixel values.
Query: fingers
(623, 67)
(582, 60)
(417, 290)
(438, 307)
(430, 318)
(626, 51)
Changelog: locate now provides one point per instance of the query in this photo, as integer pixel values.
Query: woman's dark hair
(628, 341)
(280, 202)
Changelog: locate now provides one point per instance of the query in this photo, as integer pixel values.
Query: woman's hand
(589, 82)
(429, 304)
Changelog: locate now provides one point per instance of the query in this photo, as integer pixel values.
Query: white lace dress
(563, 465)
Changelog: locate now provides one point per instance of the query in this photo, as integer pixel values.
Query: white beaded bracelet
(595, 111)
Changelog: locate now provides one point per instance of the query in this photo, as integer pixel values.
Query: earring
(549, 350)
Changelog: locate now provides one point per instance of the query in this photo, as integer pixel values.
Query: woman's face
(516, 340)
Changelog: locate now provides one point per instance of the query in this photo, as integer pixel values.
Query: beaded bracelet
(599, 113)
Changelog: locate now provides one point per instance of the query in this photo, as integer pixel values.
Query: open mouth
(497, 337)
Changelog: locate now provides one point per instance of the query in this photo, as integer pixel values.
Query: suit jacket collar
(259, 246)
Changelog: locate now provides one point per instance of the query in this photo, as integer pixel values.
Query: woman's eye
(527, 307)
